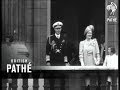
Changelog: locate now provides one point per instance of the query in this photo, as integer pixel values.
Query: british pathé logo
(111, 8)
(19, 66)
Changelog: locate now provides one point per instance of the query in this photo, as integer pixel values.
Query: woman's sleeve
(105, 61)
(97, 51)
(81, 53)
(96, 46)
(81, 50)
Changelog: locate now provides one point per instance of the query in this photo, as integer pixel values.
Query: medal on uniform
(57, 50)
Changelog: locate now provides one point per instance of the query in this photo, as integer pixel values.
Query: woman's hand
(97, 61)
(48, 63)
(67, 64)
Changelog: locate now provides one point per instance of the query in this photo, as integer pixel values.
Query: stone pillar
(111, 23)
(41, 24)
(13, 18)
(19, 83)
(41, 83)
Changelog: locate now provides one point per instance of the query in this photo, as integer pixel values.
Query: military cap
(89, 28)
(57, 24)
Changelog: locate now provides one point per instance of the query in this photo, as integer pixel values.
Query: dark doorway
(76, 15)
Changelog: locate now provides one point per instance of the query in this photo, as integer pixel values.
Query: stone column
(111, 23)
(40, 30)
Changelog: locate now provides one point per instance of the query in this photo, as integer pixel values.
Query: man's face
(58, 30)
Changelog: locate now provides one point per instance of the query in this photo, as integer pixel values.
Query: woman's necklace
(88, 42)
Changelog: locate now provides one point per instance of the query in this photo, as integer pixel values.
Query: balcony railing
(73, 68)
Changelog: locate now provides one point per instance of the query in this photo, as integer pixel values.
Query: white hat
(57, 24)
(89, 28)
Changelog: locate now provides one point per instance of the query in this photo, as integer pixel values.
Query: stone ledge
(73, 68)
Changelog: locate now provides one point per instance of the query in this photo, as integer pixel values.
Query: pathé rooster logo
(112, 7)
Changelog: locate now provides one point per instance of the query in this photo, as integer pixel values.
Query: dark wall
(78, 14)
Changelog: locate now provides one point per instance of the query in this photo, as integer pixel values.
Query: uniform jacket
(56, 49)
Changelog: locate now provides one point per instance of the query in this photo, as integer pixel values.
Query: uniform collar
(57, 36)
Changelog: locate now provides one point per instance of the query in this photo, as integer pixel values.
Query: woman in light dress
(111, 60)
(89, 54)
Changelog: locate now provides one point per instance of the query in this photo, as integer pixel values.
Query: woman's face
(89, 34)
(109, 51)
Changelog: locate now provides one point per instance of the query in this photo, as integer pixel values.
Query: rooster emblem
(112, 7)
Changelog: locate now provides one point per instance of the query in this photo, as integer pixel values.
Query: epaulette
(50, 35)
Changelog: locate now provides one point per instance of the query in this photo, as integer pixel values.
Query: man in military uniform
(56, 47)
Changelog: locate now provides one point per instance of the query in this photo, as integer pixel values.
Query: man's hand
(48, 63)
(48, 60)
